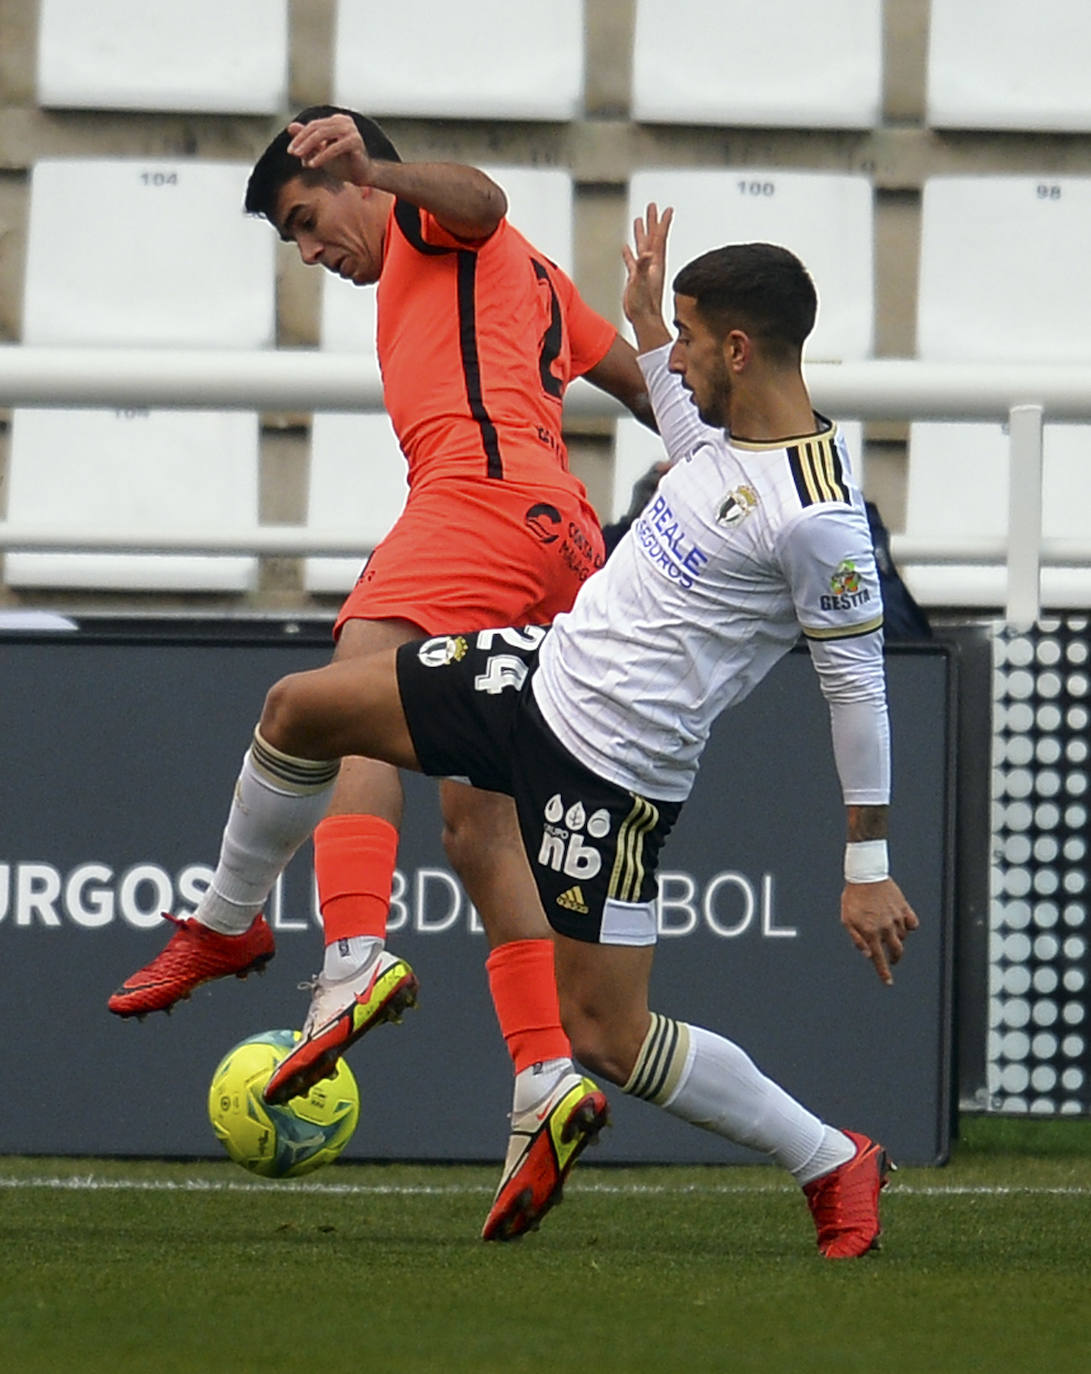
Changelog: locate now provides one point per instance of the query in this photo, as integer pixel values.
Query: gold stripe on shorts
(628, 875)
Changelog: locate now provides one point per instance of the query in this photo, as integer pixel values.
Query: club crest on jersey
(442, 650)
(736, 506)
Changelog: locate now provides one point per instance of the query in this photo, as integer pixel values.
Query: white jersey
(742, 546)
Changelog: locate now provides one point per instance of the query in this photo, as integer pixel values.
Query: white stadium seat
(1004, 265)
(958, 486)
(189, 55)
(357, 482)
(1004, 274)
(1007, 65)
(481, 59)
(153, 472)
(357, 473)
(135, 253)
(824, 218)
(787, 63)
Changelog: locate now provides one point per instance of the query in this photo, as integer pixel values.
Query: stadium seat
(825, 218)
(1007, 66)
(1004, 275)
(132, 251)
(483, 59)
(357, 483)
(136, 253)
(356, 464)
(789, 63)
(153, 472)
(199, 55)
(958, 486)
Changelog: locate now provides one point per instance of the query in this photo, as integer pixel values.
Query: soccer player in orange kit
(479, 335)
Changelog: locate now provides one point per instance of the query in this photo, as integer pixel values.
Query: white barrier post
(1024, 515)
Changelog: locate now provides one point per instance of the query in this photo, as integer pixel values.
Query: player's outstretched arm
(463, 199)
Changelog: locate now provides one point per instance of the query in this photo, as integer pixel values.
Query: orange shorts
(470, 555)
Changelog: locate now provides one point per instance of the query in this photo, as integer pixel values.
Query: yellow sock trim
(296, 775)
(661, 1060)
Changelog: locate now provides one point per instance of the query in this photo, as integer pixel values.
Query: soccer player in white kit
(596, 727)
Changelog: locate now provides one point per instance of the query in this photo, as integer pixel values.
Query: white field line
(89, 1183)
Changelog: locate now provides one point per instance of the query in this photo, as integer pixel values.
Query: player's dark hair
(760, 288)
(277, 166)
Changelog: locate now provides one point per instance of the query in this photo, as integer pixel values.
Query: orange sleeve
(589, 333)
(435, 236)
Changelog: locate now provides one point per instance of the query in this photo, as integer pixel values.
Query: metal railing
(310, 379)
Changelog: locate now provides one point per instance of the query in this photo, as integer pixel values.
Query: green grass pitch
(142, 1266)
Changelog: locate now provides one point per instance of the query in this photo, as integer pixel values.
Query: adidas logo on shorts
(572, 900)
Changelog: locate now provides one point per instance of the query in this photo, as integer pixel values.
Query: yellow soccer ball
(284, 1141)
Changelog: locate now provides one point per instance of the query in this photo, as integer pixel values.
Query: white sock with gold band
(278, 800)
(710, 1082)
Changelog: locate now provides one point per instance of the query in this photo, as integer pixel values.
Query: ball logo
(542, 520)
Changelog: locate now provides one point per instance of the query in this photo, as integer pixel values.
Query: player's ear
(738, 349)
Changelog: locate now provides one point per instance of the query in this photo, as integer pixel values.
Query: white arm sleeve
(830, 565)
(853, 681)
(680, 427)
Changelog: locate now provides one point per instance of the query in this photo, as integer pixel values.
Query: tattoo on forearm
(866, 823)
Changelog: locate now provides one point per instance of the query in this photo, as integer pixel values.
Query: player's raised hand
(334, 145)
(878, 919)
(645, 267)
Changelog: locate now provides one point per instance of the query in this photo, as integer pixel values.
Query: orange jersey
(477, 343)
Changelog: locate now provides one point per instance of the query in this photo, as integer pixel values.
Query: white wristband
(866, 861)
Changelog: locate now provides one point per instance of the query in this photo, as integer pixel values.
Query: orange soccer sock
(354, 860)
(524, 993)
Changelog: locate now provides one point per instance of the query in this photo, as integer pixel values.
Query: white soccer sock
(710, 1082)
(346, 957)
(278, 801)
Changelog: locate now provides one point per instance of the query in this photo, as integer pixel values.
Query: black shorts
(593, 847)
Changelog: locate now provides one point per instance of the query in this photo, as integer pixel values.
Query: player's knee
(479, 838)
(459, 842)
(283, 716)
